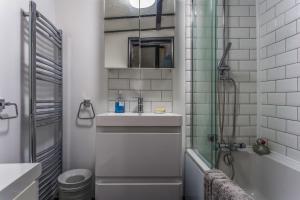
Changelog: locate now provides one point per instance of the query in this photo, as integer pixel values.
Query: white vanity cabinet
(135, 159)
(19, 181)
(29, 193)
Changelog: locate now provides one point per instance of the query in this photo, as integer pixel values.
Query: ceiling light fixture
(141, 3)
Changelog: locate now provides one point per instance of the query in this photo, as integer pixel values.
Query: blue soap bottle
(119, 105)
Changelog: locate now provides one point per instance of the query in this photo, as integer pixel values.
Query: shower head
(221, 63)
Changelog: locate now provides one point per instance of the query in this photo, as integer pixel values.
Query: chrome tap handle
(140, 105)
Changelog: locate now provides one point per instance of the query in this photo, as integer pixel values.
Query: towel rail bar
(46, 150)
(48, 59)
(48, 80)
(49, 75)
(41, 16)
(48, 38)
(42, 118)
(54, 66)
(44, 112)
(43, 28)
(48, 69)
(48, 101)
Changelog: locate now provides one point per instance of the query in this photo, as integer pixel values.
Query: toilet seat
(74, 179)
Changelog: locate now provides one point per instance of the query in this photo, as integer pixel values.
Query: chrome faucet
(140, 105)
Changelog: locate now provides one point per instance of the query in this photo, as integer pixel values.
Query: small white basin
(139, 119)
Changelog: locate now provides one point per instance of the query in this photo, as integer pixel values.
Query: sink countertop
(14, 178)
(139, 119)
(139, 114)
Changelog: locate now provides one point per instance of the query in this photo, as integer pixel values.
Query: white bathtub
(271, 177)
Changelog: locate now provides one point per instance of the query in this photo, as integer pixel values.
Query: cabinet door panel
(138, 154)
(29, 193)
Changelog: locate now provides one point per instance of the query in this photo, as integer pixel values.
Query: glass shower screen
(204, 79)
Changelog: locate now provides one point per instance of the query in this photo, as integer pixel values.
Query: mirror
(139, 33)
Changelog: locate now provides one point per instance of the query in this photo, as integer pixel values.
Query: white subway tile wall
(279, 69)
(242, 60)
(154, 85)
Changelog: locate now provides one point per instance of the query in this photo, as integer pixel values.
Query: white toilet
(75, 184)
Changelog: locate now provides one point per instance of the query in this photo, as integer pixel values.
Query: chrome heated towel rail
(46, 99)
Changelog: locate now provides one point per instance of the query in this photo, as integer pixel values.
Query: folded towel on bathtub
(209, 177)
(218, 186)
(230, 191)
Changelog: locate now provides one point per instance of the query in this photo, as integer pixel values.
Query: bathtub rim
(277, 157)
(197, 160)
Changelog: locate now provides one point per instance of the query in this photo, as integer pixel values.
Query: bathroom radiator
(45, 100)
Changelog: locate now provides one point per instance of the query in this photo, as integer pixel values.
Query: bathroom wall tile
(161, 84)
(277, 124)
(275, 23)
(293, 153)
(113, 73)
(276, 48)
(267, 39)
(293, 42)
(293, 99)
(118, 84)
(287, 112)
(248, 109)
(267, 133)
(287, 85)
(277, 147)
(249, 65)
(264, 121)
(112, 94)
(151, 95)
(292, 14)
(293, 127)
(277, 98)
(289, 57)
(129, 73)
(239, 11)
(276, 73)
(284, 6)
(151, 74)
(134, 106)
(167, 96)
(268, 110)
(247, 43)
(140, 84)
(168, 74)
(248, 87)
(248, 131)
(271, 3)
(167, 105)
(267, 16)
(293, 70)
(129, 95)
(239, 32)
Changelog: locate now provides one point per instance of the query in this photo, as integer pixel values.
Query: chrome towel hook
(4, 104)
(86, 103)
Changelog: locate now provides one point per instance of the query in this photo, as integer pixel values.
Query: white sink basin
(138, 119)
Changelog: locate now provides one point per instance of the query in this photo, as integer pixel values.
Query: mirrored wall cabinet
(139, 34)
